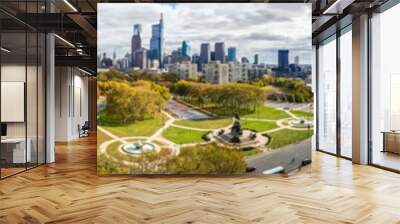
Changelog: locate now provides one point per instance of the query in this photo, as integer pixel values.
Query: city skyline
(113, 29)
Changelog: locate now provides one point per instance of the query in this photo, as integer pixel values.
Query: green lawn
(286, 137)
(139, 128)
(183, 136)
(101, 137)
(258, 126)
(266, 112)
(207, 124)
(302, 114)
(251, 152)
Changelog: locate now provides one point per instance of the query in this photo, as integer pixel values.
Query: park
(191, 130)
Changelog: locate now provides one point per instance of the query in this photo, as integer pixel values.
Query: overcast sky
(253, 28)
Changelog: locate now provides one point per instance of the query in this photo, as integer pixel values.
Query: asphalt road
(290, 157)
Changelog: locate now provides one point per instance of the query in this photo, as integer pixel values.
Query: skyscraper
(219, 50)
(136, 43)
(157, 42)
(185, 49)
(244, 60)
(283, 59)
(212, 56)
(232, 54)
(256, 59)
(205, 54)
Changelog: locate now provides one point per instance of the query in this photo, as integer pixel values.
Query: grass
(302, 114)
(139, 128)
(250, 152)
(101, 137)
(259, 126)
(206, 124)
(266, 112)
(183, 136)
(287, 137)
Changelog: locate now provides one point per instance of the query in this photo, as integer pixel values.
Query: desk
(17, 150)
(391, 141)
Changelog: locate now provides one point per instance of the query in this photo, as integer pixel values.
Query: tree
(208, 159)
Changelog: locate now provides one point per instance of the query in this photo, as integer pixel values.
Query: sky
(253, 28)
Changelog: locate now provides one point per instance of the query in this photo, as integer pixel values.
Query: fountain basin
(299, 123)
(138, 147)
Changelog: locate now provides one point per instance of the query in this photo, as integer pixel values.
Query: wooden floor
(331, 190)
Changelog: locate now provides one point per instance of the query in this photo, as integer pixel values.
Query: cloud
(252, 28)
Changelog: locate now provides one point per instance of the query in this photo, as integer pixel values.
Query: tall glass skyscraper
(219, 50)
(185, 49)
(283, 59)
(205, 53)
(157, 42)
(136, 43)
(232, 54)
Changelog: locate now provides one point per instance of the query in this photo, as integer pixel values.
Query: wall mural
(215, 89)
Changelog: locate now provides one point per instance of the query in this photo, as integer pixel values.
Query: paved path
(290, 157)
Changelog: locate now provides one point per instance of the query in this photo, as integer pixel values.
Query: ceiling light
(64, 40)
(70, 5)
(5, 50)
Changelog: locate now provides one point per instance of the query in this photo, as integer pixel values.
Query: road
(290, 157)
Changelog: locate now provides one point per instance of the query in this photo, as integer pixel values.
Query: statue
(236, 130)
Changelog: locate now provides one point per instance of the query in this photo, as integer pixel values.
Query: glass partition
(346, 93)
(22, 77)
(327, 96)
(385, 89)
(13, 94)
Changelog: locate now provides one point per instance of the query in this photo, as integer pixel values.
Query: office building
(219, 50)
(232, 54)
(157, 42)
(205, 53)
(186, 50)
(283, 60)
(256, 59)
(136, 44)
(196, 60)
(212, 56)
(140, 59)
(216, 72)
(244, 60)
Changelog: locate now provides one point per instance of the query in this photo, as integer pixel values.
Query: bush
(208, 159)
(205, 136)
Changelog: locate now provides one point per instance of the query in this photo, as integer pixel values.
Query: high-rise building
(297, 60)
(212, 56)
(244, 60)
(205, 54)
(232, 54)
(185, 49)
(136, 43)
(219, 50)
(196, 61)
(256, 59)
(283, 60)
(215, 72)
(157, 42)
(140, 58)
